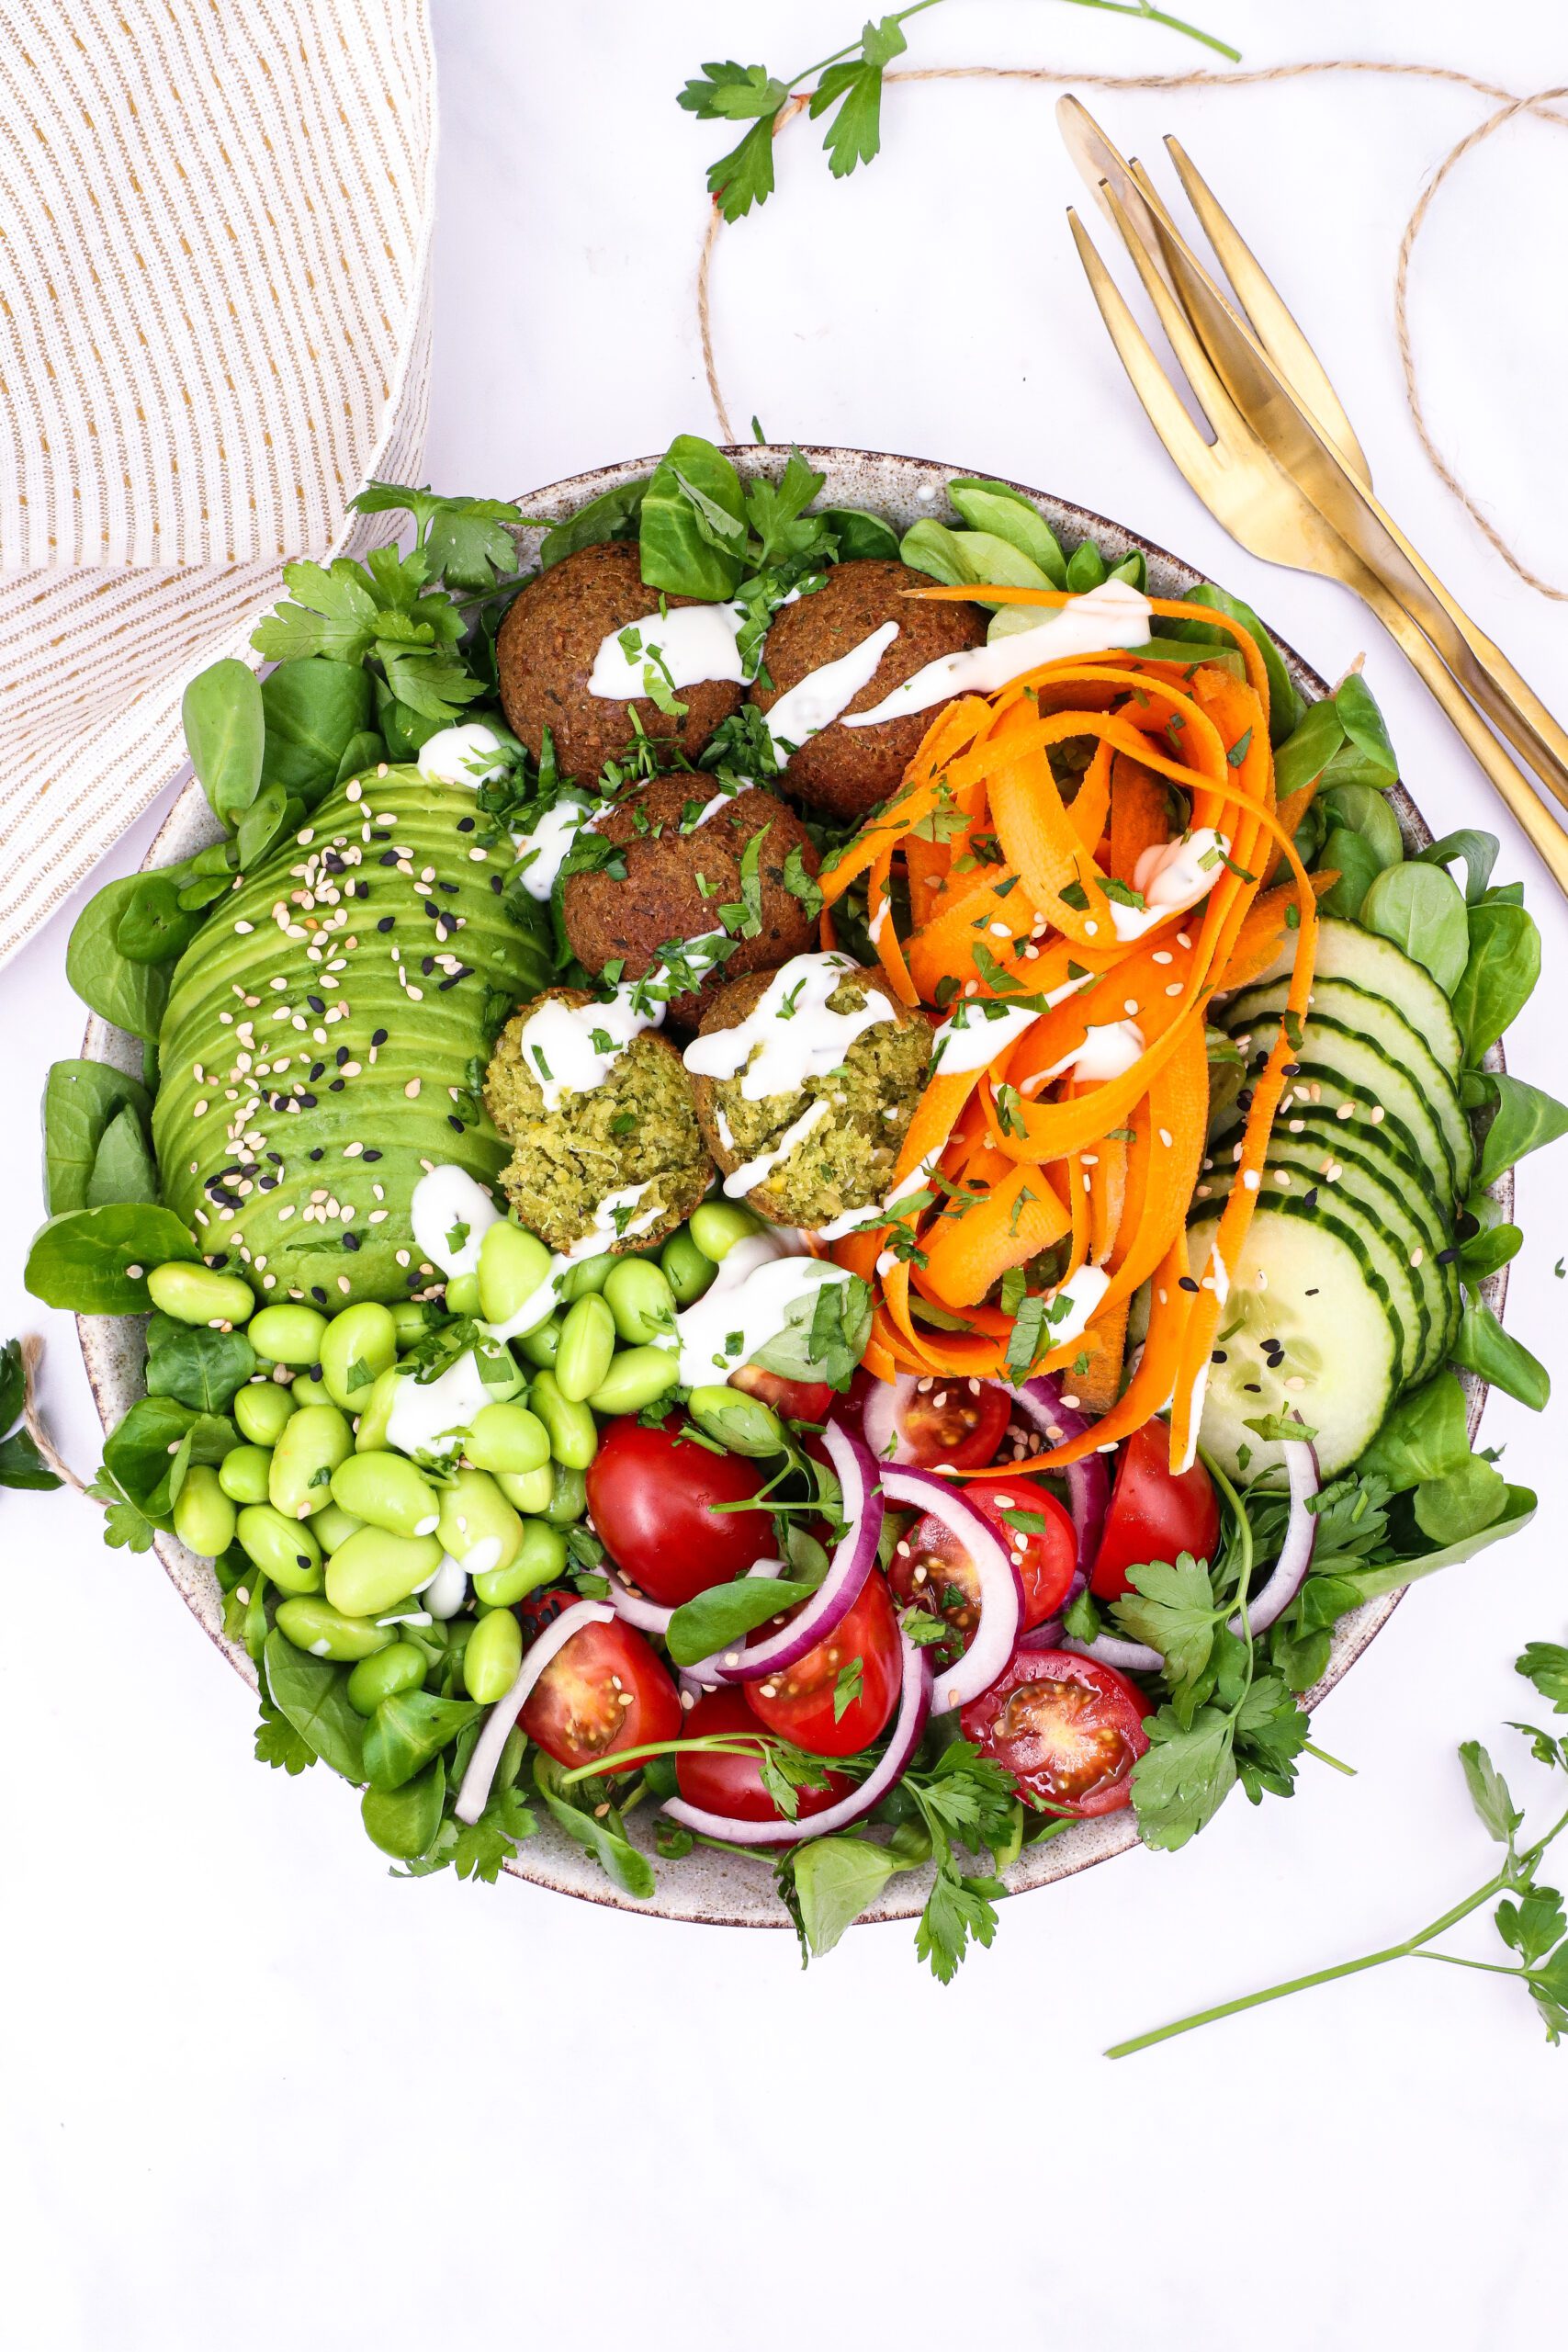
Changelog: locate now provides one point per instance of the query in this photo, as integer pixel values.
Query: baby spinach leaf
(1285, 705)
(360, 754)
(128, 994)
(835, 1880)
(81, 1101)
(405, 1822)
(1524, 1118)
(83, 1260)
(1306, 752)
(691, 527)
(997, 509)
(124, 1169)
(1420, 908)
(1086, 568)
(1363, 725)
(1479, 852)
(861, 537)
(1497, 1246)
(1352, 857)
(727, 1612)
(225, 732)
(1457, 1506)
(262, 822)
(1364, 809)
(612, 515)
(1498, 972)
(1424, 1436)
(616, 1857)
(312, 1694)
(199, 1367)
(407, 1730)
(314, 709)
(1484, 1347)
(933, 548)
(155, 926)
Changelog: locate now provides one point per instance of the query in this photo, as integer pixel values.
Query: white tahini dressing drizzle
(433, 1417)
(977, 1031)
(825, 694)
(571, 1048)
(758, 1283)
(685, 648)
(720, 800)
(457, 756)
(752, 1172)
(1172, 876)
(1109, 1050)
(792, 1034)
(1111, 615)
(543, 852)
(450, 1215)
(619, 1218)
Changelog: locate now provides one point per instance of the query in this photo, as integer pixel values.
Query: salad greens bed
(372, 660)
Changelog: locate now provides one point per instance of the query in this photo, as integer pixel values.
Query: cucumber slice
(1372, 1017)
(1336, 1067)
(1346, 952)
(1377, 1227)
(1301, 1282)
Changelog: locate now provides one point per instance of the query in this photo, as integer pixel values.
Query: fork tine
(1207, 387)
(1196, 457)
(1271, 321)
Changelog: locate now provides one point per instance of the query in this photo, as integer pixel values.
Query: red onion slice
(882, 1417)
(632, 1608)
(1089, 1482)
(852, 1560)
(914, 1704)
(474, 1794)
(1002, 1587)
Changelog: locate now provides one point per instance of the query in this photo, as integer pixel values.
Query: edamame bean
(386, 1490)
(686, 1269)
(373, 1570)
(479, 1526)
(311, 1446)
(569, 1495)
(540, 1346)
(261, 1407)
(587, 1346)
(308, 1388)
(638, 1378)
(401, 1667)
(528, 1491)
(282, 1548)
(541, 1558)
(332, 1525)
(370, 1430)
(574, 1440)
(410, 1321)
(315, 1625)
(639, 1297)
(492, 1657)
(288, 1334)
(585, 1279)
(716, 1226)
(358, 1346)
(514, 1265)
(194, 1293)
(204, 1514)
(507, 1437)
(463, 1294)
(742, 1424)
(242, 1472)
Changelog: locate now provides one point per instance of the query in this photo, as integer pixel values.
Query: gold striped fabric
(214, 325)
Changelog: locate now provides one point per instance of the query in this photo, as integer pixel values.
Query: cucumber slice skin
(1336, 1066)
(1386, 1250)
(1346, 952)
(1367, 1116)
(1382, 1025)
(1324, 1304)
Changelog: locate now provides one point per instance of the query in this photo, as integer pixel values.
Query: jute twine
(1541, 102)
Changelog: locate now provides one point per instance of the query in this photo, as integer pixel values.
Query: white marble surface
(259, 2094)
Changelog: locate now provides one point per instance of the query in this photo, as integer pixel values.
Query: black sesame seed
(450, 888)
(379, 1038)
(427, 965)
(453, 1121)
(1218, 1356)
(1309, 1197)
(317, 1069)
(464, 824)
(371, 1155)
(386, 922)
(317, 1003)
(317, 1293)
(1186, 1281)
(351, 1240)
(387, 857)
(1290, 1070)
(1447, 1257)
(342, 1055)
(307, 1102)
(1252, 1387)
(449, 982)
(337, 1086)
(497, 885)
(317, 1153)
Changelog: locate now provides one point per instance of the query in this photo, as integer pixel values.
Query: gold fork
(1239, 475)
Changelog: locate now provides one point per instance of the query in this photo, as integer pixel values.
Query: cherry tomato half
(932, 1568)
(792, 1400)
(1155, 1513)
(822, 1703)
(651, 1495)
(732, 1784)
(605, 1689)
(960, 1422)
(1068, 1729)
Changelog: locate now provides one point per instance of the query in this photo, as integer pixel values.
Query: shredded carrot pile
(1011, 875)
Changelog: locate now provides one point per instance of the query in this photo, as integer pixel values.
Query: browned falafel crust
(545, 651)
(848, 770)
(627, 921)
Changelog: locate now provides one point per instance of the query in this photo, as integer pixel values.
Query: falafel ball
(852, 1120)
(680, 868)
(848, 770)
(545, 652)
(636, 1133)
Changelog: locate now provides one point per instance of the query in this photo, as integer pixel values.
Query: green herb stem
(1158, 16)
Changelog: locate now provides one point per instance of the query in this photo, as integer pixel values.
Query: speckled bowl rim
(707, 1888)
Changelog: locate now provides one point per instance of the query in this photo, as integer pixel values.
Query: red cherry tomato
(605, 1689)
(932, 1568)
(822, 1703)
(732, 1784)
(1068, 1729)
(960, 1422)
(1155, 1513)
(652, 1494)
(792, 1400)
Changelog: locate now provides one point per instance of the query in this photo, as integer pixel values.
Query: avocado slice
(326, 1035)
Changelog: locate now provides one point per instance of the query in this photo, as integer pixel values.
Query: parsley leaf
(958, 1910)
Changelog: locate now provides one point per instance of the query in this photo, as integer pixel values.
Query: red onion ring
(1089, 1481)
(1002, 1587)
(474, 1794)
(632, 1607)
(914, 1704)
(853, 1560)
(882, 1418)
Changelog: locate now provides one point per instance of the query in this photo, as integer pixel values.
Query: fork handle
(1546, 835)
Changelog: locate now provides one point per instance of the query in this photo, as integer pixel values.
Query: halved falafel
(851, 1120)
(545, 652)
(636, 1133)
(680, 868)
(847, 771)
